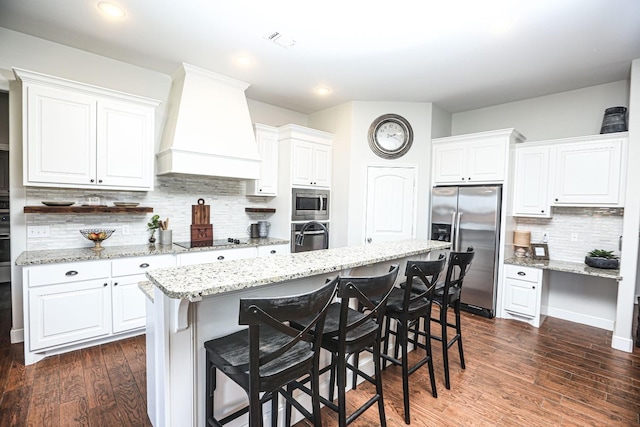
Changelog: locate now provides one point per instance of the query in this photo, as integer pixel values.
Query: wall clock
(390, 136)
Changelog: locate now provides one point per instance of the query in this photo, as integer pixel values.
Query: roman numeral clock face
(390, 136)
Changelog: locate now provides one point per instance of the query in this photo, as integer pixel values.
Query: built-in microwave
(307, 204)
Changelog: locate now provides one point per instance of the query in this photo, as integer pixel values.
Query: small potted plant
(599, 258)
(153, 225)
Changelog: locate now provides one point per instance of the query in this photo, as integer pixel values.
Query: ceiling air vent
(280, 39)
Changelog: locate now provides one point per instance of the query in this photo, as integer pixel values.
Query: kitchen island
(193, 304)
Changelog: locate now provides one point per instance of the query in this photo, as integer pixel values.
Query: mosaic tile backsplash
(172, 198)
(595, 228)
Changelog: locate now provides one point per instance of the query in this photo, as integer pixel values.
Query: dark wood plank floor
(562, 374)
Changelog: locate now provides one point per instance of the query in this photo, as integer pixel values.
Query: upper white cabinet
(267, 140)
(310, 155)
(82, 136)
(531, 185)
(473, 158)
(590, 171)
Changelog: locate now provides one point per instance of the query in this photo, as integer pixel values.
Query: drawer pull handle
(144, 265)
(521, 273)
(273, 251)
(221, 257)
(71, 273)
(533, 287)
(115, 283)
(106, 284)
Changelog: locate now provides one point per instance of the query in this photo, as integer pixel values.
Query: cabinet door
(62, 314)
(125, 145)
(520, 297)
(449, 163)
(321, 166)
(267, 185)
(128, 303)
(589, 173)
(301, 163)
(531, 194)
(60, 132)
(486, 160)
(4, 172)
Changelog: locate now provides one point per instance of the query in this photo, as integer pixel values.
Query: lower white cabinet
(522, 293)
(68, 313)
(75, 305)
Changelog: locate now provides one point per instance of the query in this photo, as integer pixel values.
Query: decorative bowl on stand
(97, 235)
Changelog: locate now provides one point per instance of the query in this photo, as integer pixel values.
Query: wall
(352, 173)
(271, 115)
(565, 114)
(440, 122)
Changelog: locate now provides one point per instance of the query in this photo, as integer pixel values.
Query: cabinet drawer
(527, 274)
(140, 265)
(65, 273)
(273, 250)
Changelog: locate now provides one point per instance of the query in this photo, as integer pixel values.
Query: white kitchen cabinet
(311, 164)
(590, 171)
(81, 136)
(128, 302)
(472, 158)
(267, 140)
(68, 313)
(79, 304)
(522, 293)
(531, 182)
(270, 250)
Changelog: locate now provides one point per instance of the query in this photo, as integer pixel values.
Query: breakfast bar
(192, 304)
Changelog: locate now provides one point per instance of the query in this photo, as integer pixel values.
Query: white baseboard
(17, 335)
(622, 343)
(584, 319)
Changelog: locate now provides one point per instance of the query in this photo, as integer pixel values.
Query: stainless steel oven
(314, 237)
(5, 246)
(308, 204)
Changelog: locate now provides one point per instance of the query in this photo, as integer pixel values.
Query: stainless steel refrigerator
(470, 216)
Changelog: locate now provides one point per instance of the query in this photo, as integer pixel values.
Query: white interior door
(391, 203)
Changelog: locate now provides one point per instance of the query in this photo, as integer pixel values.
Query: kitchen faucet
(300, 237)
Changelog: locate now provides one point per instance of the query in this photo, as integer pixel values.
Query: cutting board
(200, 213)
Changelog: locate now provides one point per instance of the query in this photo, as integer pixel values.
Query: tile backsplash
(172, 198)
(595, 228)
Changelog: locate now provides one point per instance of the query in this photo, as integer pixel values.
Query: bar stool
(348, 332)
(269, 354)
(407, 305)
(448, 296)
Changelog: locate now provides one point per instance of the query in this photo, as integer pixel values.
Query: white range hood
(208, 129)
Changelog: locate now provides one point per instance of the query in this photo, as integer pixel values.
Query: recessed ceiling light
(322, 90)
(243, 60)
(111, 9)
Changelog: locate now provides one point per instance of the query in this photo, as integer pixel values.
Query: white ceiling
(459, 54)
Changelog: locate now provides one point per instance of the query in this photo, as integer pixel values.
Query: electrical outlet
(38, 231)
(125, 229)
(545, 238)
(574, 237)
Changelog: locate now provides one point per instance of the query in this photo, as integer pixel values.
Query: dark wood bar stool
(407, 305)
(269, 354)
(447, 296)
(348, 332)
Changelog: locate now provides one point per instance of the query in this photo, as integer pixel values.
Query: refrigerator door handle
(457, 243)
(454, 231)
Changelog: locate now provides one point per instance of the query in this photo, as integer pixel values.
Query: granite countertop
(147, 289)
(567, 267)
(53, 256)
(214, 278)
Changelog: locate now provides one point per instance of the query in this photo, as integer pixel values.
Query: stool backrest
(459, 263)
(364, 290)
(277, 312)
(422, 277)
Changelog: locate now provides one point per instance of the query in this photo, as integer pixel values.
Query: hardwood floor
(562, 374)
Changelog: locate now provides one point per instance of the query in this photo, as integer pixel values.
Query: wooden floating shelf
(260, 210)
(86, 209)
